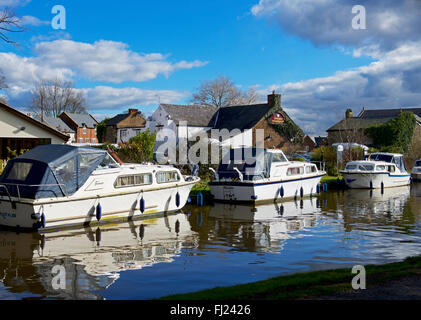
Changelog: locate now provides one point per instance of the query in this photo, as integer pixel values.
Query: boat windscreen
(379, 157)
(417, 163)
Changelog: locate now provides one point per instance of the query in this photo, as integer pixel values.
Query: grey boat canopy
(51, 171)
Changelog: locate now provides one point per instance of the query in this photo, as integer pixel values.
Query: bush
(139, 149)
(327, 155)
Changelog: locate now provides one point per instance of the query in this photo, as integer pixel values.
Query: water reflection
(93, 258)
(214, 245)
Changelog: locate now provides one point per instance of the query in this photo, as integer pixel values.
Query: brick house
(84, 126)
(352, 129)
(124, 126)
(249, 118)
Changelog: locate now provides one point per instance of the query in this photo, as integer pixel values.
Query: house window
(80, 140)
(93, 140)
(84, 130)
(87, 140)
(167, 177)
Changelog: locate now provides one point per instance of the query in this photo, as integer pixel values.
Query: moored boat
(55, 186)
(377, 170)
(416, 171)
(257, 175)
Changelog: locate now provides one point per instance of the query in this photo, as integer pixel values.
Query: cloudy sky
(137, 53)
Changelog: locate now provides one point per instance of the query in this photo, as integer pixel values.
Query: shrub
(139, 149)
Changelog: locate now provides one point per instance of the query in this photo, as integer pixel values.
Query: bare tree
(9, 22)
(222, 92)
(3, 85)
(53, 97)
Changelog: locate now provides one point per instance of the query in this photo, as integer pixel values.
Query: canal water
(219, 245)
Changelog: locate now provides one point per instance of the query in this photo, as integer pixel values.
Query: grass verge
(306, 285)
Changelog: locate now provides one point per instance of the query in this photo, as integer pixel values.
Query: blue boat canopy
(51, 171)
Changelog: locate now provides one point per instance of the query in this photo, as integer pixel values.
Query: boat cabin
(254, 164)
(394, 158)
(51, 171)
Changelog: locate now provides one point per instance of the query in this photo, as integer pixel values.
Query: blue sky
(133, 53)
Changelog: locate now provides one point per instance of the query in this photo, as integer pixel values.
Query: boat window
(295, 171)
(418, 163)
(87, 161)
(278, 157)
(351, 167)
(19, 171)
(167, 177)
(379, 157)
(133, 180)
(381, 168)
(108, 162)
(311, 169)
(391, 168)
(66, 172)
(366, 167)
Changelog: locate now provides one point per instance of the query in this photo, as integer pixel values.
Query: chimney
(274, 100)
(349, 114)
(133, 112)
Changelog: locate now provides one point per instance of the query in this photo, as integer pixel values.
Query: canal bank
(397, 281)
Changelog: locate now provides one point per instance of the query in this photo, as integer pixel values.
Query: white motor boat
(53, 186)
(378, 170)
(416, 171)
(256, 175)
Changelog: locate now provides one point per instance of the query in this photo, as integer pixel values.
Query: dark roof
(83, 119)
(357, 123)
(387, 113)
(194, 115)
(120, 117)
(23, 116)
(239, 117)
(58, 124)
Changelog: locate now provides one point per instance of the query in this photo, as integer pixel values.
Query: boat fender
(301, 192)
(318, 188)
(177, 227)
(98, 236)
(141, 231)
(200, 199)
(142, 205)
(382, 187)
(98, 212)
(282, 192)
(325, 187)
(43, 220)
(371, 184)
(177, 199)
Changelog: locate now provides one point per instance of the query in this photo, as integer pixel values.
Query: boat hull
(416, 176)
(375, 180)
(72, 212)
(256, 192)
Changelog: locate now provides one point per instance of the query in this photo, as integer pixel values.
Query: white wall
(10, 127)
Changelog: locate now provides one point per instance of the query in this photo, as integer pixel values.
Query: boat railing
(4, 186)
(321, 165)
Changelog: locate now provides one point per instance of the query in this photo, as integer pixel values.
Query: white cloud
(389, 23)
(14, 3)
(391, 82)
(32, 21)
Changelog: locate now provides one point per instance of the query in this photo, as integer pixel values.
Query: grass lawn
(306, 285)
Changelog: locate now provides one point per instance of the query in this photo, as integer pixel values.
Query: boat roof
(52, 153)
(388, 154)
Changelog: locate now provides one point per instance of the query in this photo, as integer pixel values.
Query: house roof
(386, 113)
(239, 117)
(33, 121)
(357, 123)
(58, 124)
(127, 120)
(194, 115)
(82, 119)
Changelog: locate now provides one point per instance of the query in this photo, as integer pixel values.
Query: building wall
(10, 127)
(125, 134)
(110, 134)
(87, 135)
(272, 138)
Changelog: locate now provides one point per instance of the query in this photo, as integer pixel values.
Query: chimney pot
(133, 111)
